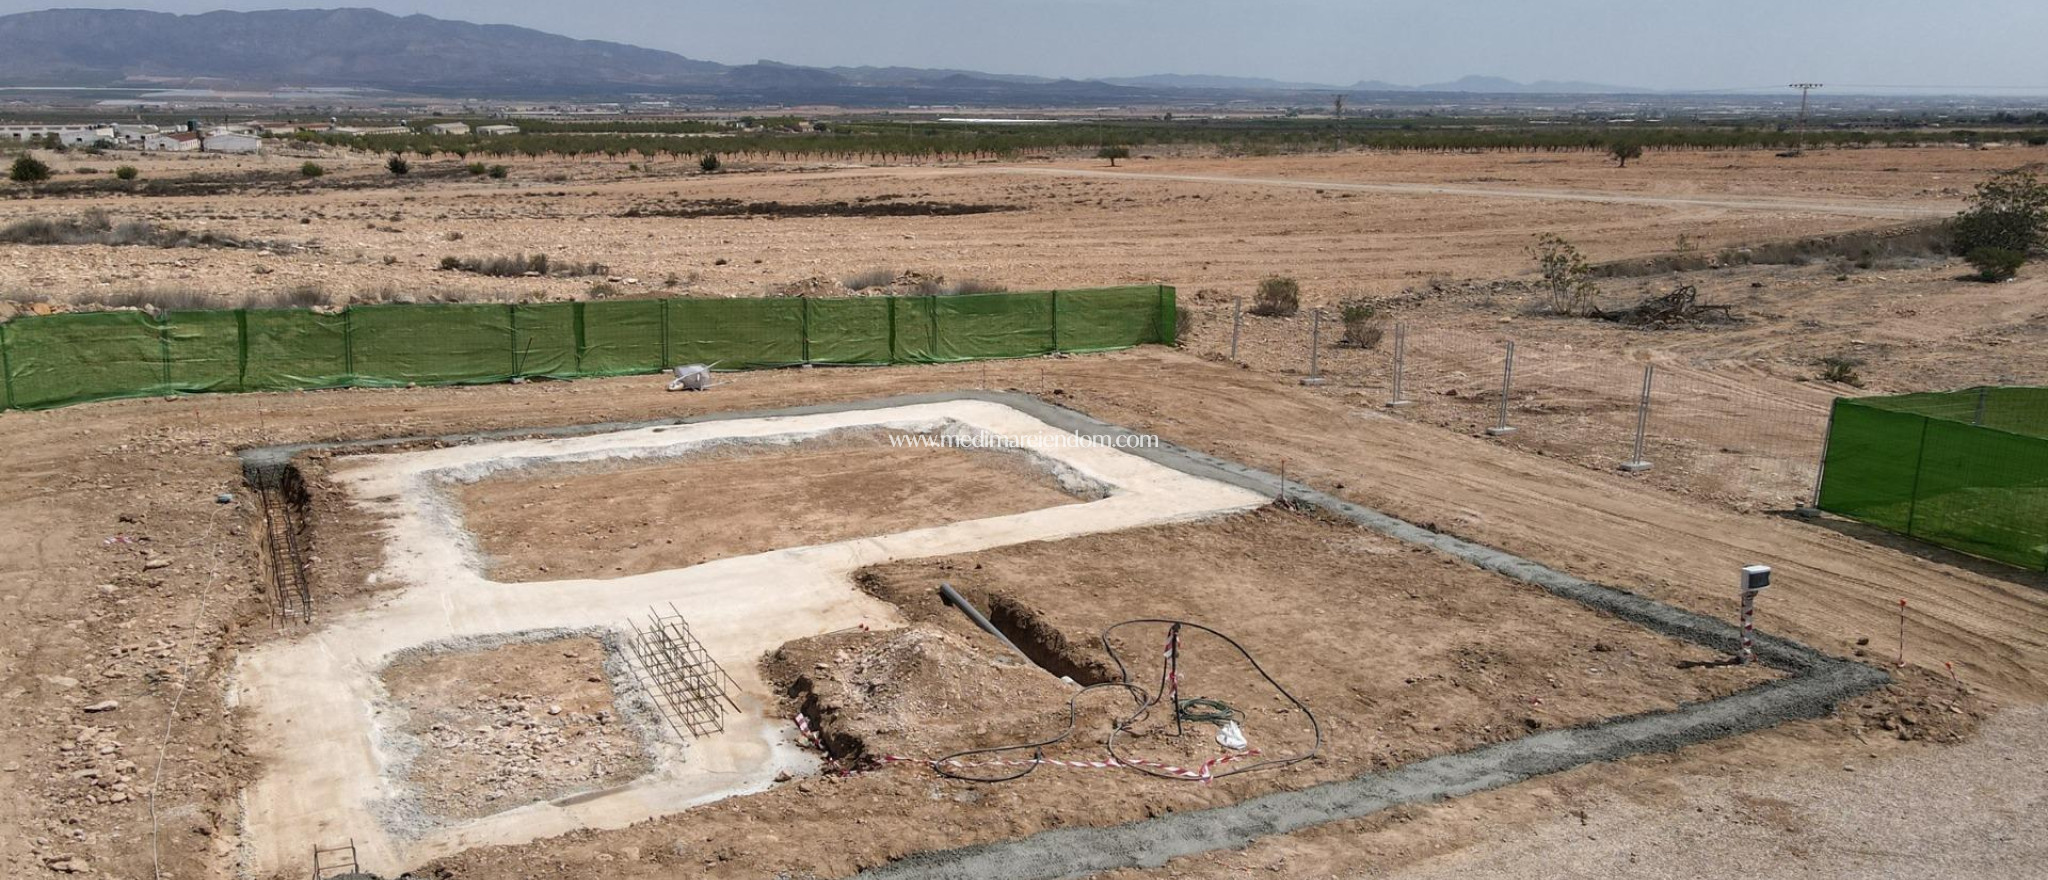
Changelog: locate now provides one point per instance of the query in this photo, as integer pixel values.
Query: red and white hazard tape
(1204, 773)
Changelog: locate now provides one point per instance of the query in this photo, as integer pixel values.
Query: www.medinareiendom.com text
(1026, 441)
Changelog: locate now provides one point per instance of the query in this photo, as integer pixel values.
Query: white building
(230, 142)
(173, 142)
(497, 130)
(448, 128)
(70, 137)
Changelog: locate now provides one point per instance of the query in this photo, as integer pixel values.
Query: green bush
(497, 172)
(710, 164)
(397, 165)
(2009, 212)
(477, 169)
(1567, 276)
(1362, 326)
(29, 169)
(311, 169)
(1278, 297)
(1622, 151)
(1996, 263)
(1113, 154)
(127, 172)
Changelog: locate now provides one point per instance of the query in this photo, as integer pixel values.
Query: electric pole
(1803, 88)
(1340, 108)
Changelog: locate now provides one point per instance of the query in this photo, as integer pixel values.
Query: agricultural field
(441, 630)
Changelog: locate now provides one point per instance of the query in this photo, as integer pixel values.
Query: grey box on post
(1755, 577)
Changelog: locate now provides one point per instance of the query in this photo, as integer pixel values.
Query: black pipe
(956, 600)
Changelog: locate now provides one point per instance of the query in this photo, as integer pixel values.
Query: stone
(104, 706)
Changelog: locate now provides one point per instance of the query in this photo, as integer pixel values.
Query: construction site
(1115, 576)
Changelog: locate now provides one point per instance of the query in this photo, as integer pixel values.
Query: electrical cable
(1198, 709)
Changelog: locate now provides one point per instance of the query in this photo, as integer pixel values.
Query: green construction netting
(1964, 469)
(64, 359)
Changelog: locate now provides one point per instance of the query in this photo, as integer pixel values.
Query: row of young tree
(918, 141)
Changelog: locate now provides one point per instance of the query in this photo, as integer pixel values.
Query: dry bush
(975, 285)
(1278, 297)
(869, 278)
(1363, 327)
(518, 265)
(97, 227)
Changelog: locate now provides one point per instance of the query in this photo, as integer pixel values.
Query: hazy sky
(1707, 44)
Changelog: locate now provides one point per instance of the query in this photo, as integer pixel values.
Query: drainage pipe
(956, 600)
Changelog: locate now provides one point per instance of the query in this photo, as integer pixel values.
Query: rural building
(173, 142)
(230, 142)
(448, 128)
(497, 130)
(70, 137)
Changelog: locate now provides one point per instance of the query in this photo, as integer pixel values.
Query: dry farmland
(434, 655)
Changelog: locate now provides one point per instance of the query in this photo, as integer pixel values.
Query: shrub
(1567, 277)
(516, 265)
(1183, 324)
(603, 290)
(2008, 211)
(477, 169)
(1841, 370)
(1996, 263)
(127, 172)
(1361, 326)
(311, 169)
(85, 169)
(710, 164)
(28, 169)
(1624, 151)
(1278, 297)
(497, 172)
(976, 285)
(869, 278)
(1113, 154)
(397, 165)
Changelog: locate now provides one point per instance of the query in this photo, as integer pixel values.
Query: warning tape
(1204, 773)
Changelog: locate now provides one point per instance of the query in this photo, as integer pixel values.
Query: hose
(1142, 701)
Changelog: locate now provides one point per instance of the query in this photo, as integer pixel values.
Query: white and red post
(1754, 579)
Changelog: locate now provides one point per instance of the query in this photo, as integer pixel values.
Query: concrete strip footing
(1816, 684)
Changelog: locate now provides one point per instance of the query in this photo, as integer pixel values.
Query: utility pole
(1340, 107)
(1804, 89)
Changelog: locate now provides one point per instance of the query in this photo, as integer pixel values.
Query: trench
(281, 492)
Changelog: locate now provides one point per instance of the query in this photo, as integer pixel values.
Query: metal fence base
(1499, 430)
(1313, 380)
(1635, 467)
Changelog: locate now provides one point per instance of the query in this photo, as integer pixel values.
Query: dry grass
(97, 227)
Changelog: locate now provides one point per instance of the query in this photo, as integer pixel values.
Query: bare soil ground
(123, 582)
(624, 519)
(498, 727)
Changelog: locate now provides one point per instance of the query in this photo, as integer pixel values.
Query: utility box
(1755, 577)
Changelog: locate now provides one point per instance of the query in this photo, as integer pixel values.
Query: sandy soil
(150, 619)
(499, 727)
(641, 517)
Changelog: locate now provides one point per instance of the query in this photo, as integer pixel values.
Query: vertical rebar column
(1236, 322)
(1315, 349)
(1507, 388)
(1400, 363)
(1636, 463)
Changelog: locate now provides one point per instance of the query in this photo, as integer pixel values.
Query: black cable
(1143, 703)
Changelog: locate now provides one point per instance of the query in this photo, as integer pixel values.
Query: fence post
(1236, 322)
(241, 350)
(163, 347)
(1637, 463)
(666, 362)
(1315, 349)
(576, 326)
(1400, 363)
(1982, 392)
(348, 345)
(1820, 471)
(1056, 320)
(6, 372)
(1507, 387)
(894, 357)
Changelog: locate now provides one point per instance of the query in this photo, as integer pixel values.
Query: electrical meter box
(1755, 577)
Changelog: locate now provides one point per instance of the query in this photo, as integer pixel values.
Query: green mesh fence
(1964, 469)
(60, 360)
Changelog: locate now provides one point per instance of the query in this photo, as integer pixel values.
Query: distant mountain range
(418, 54)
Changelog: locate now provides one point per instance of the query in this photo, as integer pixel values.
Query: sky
(1958, 45)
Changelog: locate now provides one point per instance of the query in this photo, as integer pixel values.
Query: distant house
(70, 137)
(173, 142)
(134, 134)
(448, 128)
(497, 130)
(230, 142)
